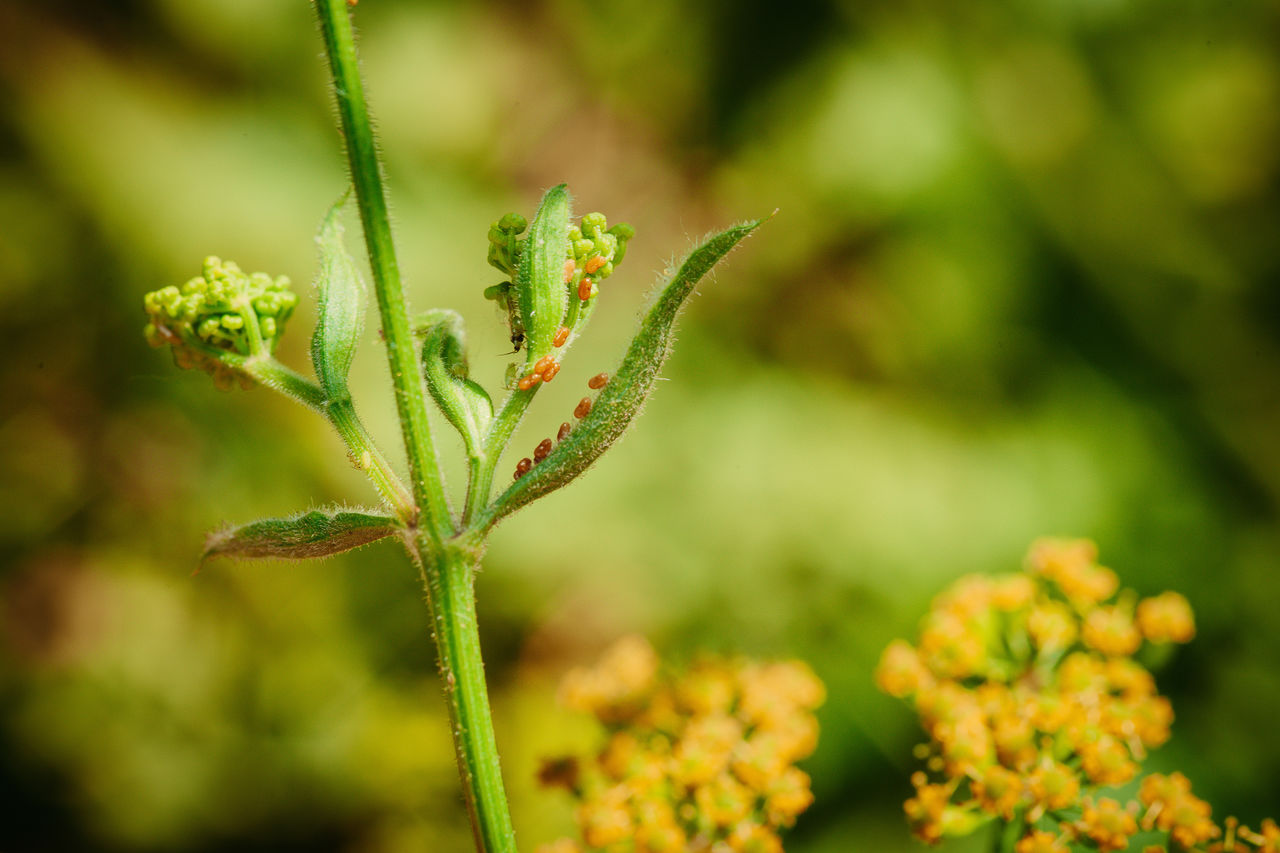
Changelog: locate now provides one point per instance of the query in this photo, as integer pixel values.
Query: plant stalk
(366, 176)
(449, 576)
(495, 444)
(447, 563)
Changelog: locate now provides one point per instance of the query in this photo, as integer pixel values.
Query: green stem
(366, 175)
(449, 574)
(342, 414)
(447, 564)
(495, 443)
(475, 472)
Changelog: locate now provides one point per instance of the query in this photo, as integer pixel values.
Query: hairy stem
(366, 176)
(495, 444)
(366, 456)
(447, 564)
(449, 576)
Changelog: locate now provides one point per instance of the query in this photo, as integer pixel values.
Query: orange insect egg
(541, 365)
(564, 431)
(550, 373)
(569, 267)
(562, 335)
(528, 382)
(594, 263)
(540, 452)
(595, 383)
(583, 408)
(523, 466)
(584, 289)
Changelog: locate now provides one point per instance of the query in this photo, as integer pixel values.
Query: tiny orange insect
(540, 452)
(583, 408)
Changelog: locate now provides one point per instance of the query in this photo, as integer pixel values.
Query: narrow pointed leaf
(540, 292)
(625, 394)
(318, 533)
(464, 403)
(342, 296)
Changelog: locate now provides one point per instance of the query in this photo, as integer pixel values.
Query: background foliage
(1023, 281)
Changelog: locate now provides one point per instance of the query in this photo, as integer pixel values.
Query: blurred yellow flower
(700, 760)
(1033, 703)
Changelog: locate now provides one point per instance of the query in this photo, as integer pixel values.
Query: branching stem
(447, 562)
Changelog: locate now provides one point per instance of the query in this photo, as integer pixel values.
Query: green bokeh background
(1023, 281)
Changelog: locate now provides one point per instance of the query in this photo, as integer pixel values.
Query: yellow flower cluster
(1032, 701)
(702, 761)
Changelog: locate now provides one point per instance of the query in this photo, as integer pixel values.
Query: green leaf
(541, 295)
(464, 403)
(318, 533)
(342, 303)
(625, 394)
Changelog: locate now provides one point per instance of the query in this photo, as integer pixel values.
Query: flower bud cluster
(699, 761)
(595, 248)
(592, 252)
(505, 242)
(1033, 704)
(223, 311)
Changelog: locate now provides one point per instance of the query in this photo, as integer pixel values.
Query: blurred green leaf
(342, 296)
(318, 533)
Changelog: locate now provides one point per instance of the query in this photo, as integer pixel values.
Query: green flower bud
(504, 245)
(596, 248)
(622, 232)
(215, 321)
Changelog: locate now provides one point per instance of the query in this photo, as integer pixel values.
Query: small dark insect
(504, 295)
